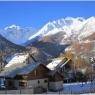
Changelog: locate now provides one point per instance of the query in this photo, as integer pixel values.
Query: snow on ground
(84, 88)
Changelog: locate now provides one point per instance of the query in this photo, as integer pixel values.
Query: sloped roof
(18, 66)
(54, 64)
(28, 68)
(17, 59)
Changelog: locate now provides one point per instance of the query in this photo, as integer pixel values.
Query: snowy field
(85, 88)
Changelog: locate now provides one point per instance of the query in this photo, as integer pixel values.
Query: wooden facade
(56, 77)
(38, 73)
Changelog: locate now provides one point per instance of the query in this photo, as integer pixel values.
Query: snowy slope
(88, 29)
(79, 33)
(16, 34)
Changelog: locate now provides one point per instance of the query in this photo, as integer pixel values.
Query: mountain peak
(12, 27)
(63, 24)
(69, 26)
(17, 34)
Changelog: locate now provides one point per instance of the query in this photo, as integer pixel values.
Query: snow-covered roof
(54, 63)
(28, 68)
(17, 59)
(57, 64)
(18, 66)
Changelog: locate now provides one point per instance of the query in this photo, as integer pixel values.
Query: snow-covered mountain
(60, 31)
(78, 33)
(17, 34)
(70, 27)
(69, 34)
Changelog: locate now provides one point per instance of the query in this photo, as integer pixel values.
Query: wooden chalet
(23, 72)
(56, 73)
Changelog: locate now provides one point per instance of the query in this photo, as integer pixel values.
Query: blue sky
(36, 14)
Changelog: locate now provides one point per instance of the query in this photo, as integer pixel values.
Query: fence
(68, 88)
(21, 91)
(76, 88)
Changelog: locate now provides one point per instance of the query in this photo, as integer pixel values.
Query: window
(2, 82)
(22, 84)
(38, 81)
(45, 81)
